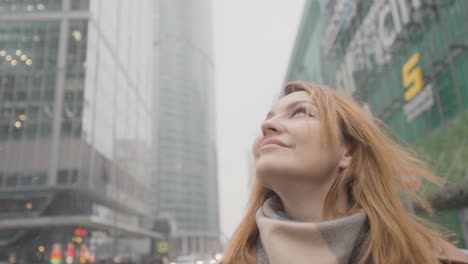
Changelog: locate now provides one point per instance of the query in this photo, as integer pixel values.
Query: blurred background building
(407, 63)
(106, 124)
(76, 107)
(185, 185)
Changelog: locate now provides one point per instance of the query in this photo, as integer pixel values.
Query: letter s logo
(412, 76)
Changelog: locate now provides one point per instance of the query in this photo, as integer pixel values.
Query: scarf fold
(283, 240)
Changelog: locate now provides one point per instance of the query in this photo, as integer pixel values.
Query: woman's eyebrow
(291, 105)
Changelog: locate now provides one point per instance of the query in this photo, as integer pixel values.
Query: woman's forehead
(285, 101)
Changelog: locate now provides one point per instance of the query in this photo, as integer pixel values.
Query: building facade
(406, 62)
(76, 141)
(186, 183)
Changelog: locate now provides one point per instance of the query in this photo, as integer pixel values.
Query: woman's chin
(271, 167)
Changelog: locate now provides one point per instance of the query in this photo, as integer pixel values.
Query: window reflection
(76, 144)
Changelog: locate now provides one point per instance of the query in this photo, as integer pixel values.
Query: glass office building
(407, 63)
(76, 116)
(186, 184)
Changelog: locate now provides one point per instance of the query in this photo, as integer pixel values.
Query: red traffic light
(80, 232)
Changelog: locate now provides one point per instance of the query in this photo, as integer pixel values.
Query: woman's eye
(300, 111)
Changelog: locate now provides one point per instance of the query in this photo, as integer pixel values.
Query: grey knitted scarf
(286, 241)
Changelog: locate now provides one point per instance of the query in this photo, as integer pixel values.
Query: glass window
(80, 5)
(30, 82)
(30, 6)
(11, 180)
(45, 130)
(26, 180)
(40, 178)
(74, 175)
(3, 131)
(62, 177)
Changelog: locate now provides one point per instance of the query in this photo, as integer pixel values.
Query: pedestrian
(328, 188)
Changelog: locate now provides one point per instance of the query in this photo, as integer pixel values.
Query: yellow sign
(162, 247)
(412, 76)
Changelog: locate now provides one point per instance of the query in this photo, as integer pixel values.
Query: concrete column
(202, 244)
(185, 246)
(59, 92)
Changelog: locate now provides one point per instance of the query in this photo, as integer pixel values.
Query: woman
(327, 190)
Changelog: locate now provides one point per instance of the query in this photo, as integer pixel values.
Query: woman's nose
(271, 126)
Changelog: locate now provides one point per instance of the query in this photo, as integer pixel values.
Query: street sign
(162, 247)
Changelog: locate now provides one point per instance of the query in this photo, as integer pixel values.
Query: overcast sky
(253, 42)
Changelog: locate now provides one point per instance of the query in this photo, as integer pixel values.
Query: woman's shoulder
(453, 255)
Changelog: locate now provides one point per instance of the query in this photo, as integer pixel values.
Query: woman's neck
(305, 202)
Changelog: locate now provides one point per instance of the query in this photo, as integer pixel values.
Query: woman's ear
(345, 160)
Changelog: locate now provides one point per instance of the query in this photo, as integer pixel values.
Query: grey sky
(253, 42)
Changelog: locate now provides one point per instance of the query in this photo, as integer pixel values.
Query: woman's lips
(271, 142)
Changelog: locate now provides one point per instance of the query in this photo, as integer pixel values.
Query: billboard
(404, 60)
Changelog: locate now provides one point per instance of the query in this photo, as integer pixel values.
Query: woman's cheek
(255, 146)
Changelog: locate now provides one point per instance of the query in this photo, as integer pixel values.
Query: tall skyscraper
(186, 183)
(76, 141)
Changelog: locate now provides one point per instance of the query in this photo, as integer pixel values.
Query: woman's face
(290, 146)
